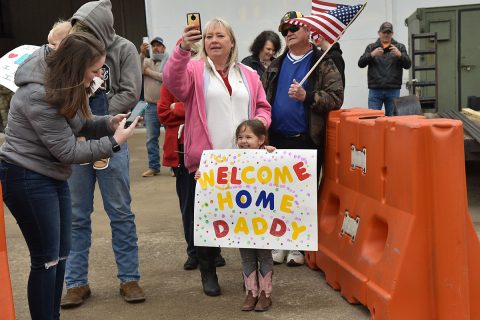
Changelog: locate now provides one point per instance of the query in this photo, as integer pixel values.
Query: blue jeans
(378, 97)
(42, 208)
(99, 103)
(114, 183)
(153, 134)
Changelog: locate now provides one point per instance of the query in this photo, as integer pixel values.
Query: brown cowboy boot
(251, 291)
(264, 299)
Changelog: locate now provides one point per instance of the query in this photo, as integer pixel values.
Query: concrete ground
(172, 293)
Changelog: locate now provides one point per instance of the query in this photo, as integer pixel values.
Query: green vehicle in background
(444, 44)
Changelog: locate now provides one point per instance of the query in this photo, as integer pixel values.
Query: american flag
(324, 6)
(328, 24)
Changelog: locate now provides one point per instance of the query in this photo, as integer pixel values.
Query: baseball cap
(386, 27)
(289, 15)
(157, 39)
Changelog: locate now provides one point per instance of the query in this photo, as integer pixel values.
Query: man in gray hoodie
(122, 76)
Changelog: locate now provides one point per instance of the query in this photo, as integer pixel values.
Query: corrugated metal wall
(29, 21)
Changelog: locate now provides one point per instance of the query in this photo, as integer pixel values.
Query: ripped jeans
(42, 208)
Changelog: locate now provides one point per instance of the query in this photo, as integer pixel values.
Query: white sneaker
(295, 258)
(278, 256)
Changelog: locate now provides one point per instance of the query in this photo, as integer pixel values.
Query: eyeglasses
(292, 29)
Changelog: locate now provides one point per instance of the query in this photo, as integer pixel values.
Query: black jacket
(254, 63)
(385, 72)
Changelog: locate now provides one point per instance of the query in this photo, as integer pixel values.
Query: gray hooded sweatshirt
(123, 74)
(40, 139)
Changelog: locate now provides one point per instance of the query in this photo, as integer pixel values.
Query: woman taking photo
(47, 113)
(219, 93)
(263, 49)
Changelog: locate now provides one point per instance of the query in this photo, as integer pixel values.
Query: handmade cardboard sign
(9, 64)
(249, 198)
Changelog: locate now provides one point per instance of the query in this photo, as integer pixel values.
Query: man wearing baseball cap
(386, 59)
(289, 15)
(153, 79)
(299, 112)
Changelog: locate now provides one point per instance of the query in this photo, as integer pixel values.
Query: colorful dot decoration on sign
(252, 198)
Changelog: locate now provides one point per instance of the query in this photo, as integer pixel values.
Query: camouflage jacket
(5, 97)
(324, 93)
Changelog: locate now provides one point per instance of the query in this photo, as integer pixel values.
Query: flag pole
(336, 40)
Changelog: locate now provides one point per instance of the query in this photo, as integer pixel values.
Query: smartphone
(138, 110)
(147, 41)
(386, 50)
(193, 19)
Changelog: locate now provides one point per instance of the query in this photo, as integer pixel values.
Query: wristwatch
(115, 145)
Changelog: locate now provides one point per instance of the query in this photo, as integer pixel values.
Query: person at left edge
(48, 111)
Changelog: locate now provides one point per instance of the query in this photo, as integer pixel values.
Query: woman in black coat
(263, 49)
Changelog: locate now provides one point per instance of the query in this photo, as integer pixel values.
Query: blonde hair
(233, 57)
(61, 29)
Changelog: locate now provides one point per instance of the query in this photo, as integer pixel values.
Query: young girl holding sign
(257, 264)
(252, 134)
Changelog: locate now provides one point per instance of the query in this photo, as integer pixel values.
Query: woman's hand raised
(190, 35)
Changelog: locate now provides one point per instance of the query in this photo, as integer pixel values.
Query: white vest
(225, 112)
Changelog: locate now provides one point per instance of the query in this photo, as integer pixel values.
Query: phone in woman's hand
(138, 110)
(193, 19)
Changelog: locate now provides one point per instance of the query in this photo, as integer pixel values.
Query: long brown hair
(66, 70)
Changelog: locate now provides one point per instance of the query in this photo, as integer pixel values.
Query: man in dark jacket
(385, 59)
(299, 112)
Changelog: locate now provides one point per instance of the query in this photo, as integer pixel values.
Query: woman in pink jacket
(219, 93)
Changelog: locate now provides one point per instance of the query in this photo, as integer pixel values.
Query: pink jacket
(185, 79)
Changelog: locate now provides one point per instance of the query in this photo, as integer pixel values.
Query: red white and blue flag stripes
(330, 24)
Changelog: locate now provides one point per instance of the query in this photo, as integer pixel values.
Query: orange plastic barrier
(7, 311)
(394, 230)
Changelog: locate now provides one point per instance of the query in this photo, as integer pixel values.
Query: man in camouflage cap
(5, 97)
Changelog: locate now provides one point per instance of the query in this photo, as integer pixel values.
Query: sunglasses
(292, 29)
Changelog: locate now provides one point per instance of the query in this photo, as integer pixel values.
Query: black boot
(210, 283)
(206, 259)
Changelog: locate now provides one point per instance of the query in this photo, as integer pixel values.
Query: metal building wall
(29, 21)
